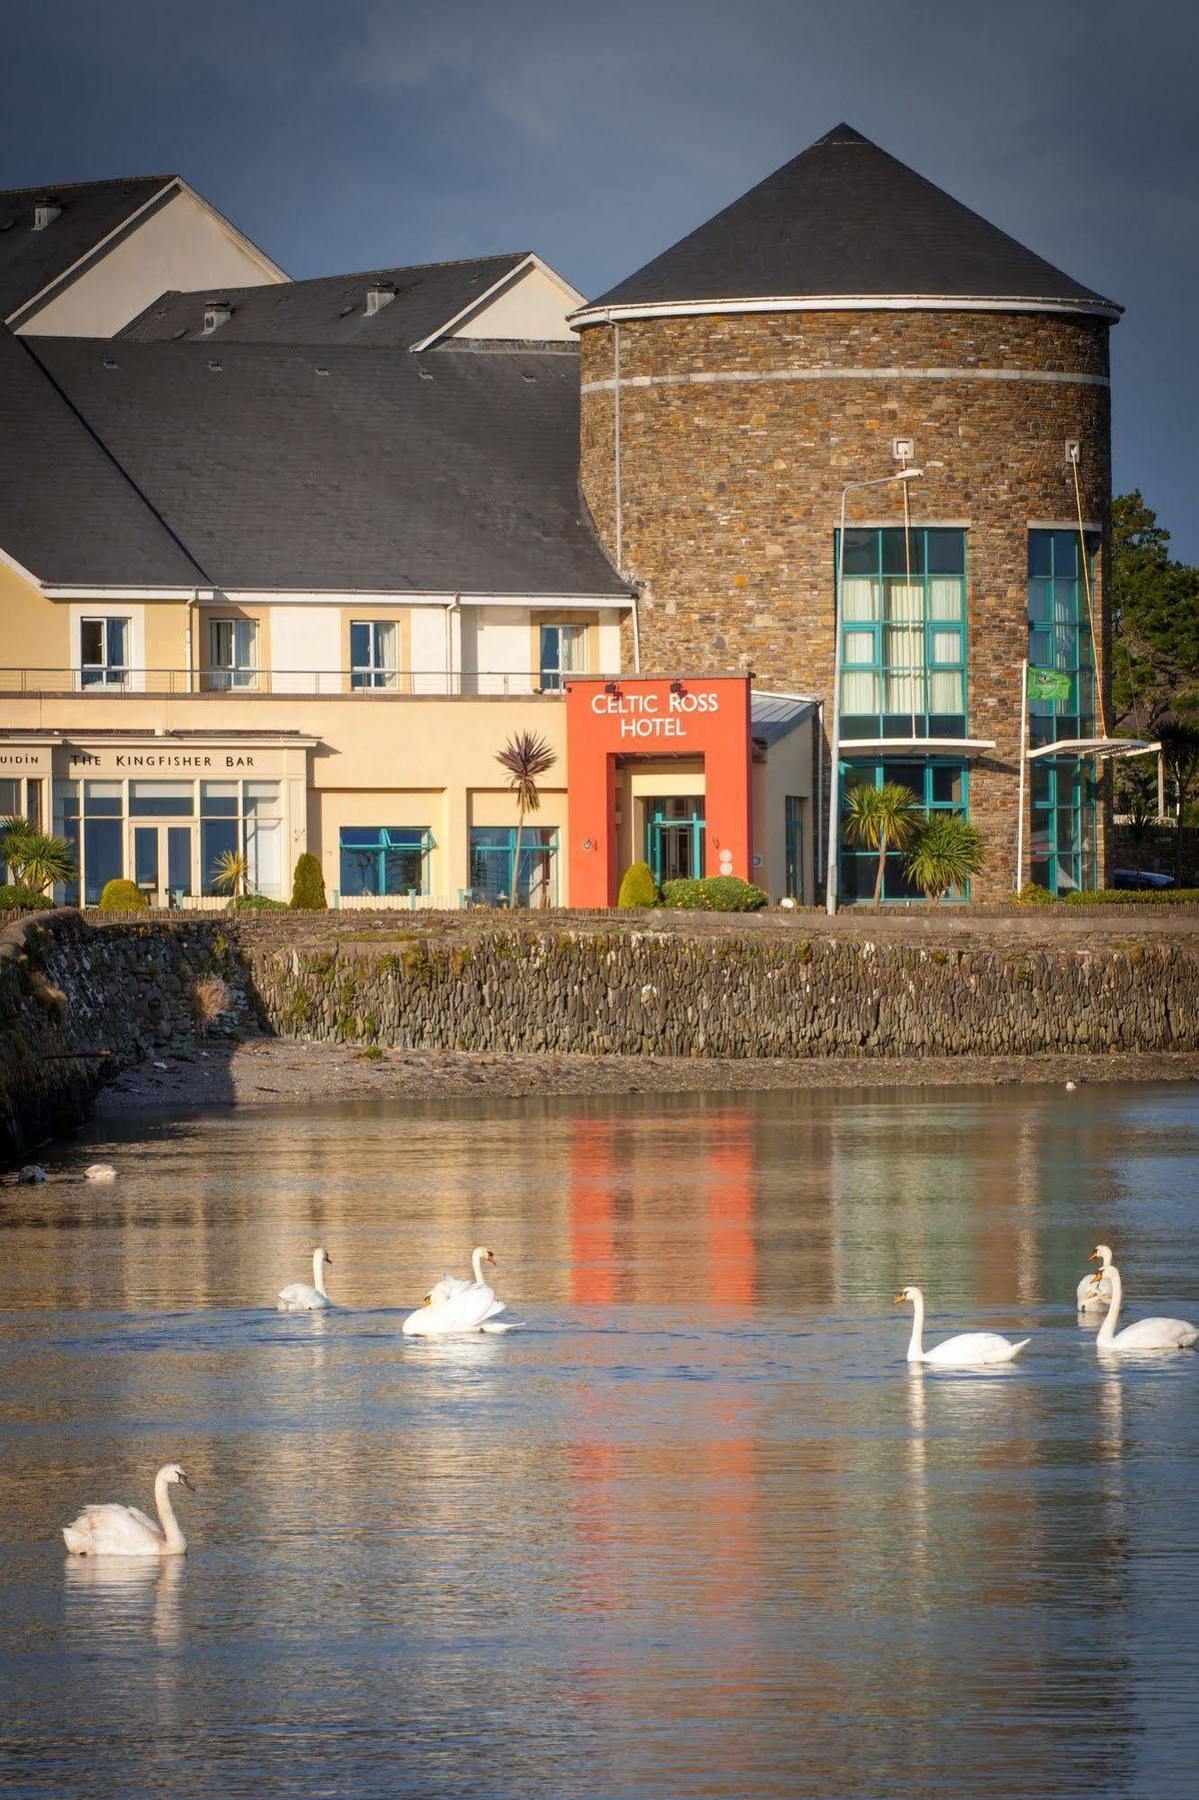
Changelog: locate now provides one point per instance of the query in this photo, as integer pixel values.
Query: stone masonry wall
(735, 445)
(77, 1005)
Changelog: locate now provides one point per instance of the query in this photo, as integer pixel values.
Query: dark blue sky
(345, 134)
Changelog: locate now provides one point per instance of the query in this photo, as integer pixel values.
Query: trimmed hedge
(257, 903)
(638, 889)
(123, 896)
(1032, 895)
(15, 898)
(714, 893)
(308, 885)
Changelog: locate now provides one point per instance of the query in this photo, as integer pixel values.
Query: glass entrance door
(162, 862)
(674, 829)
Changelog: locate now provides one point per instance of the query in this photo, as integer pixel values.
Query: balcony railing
(234, 684)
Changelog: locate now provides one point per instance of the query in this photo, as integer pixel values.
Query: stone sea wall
(79, 1001)
(633, 993)
(77, 1004)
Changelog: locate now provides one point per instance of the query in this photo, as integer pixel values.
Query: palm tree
(881, 818)
(946, 852)
(37, 860)
(525, 756)
(230, 872)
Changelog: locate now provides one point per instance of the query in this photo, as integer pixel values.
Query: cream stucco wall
(182, 245)
(788, 770)
(34, 631)
(533, 308)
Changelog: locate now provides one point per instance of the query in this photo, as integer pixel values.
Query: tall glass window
(67, 824)
(794, 828)
(232, 653)
(903, 633)
(1063, 789)
(385, 859)
(103, 652)
(492, 849)
(936, 784)
(373, 653)
(563, 653)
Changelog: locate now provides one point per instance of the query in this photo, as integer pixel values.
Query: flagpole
(1023, 764)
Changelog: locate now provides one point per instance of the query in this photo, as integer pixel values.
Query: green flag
(1048, 684)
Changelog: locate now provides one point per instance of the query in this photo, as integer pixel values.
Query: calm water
(696, 1532)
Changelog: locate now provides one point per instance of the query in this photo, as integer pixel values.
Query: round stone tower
(844, 319)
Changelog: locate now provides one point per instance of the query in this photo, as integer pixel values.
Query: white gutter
(288, 597)
(683, 309)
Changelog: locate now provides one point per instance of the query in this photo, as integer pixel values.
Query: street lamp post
(832, 860)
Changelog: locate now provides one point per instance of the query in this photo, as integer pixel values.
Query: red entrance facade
(611, 724)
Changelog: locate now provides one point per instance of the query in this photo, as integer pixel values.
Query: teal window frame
(793, 840)
(1059, 635)
(492, 848)
(937, 554)
(380, 859)
(936, 777)
(668, 812)
(1063, 790)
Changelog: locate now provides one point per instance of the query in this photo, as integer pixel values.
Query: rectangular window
(1063, 790)
(232, 653)
(563, 652)
(161, 800)
(794, 826)
(373, 653)
(903, 633)
(385, 859)
(936, 784)
(10, 799)
(492, 849)
(103, 652)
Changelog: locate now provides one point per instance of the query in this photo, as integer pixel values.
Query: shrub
(210, 998)
(1032, 895)
(308, 885)
(16, 898)
(258, 903)
(714, 893)
(122, 896)
(638, 887)
(946, 851)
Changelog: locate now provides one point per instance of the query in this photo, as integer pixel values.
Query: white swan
(297, 1296)
(972, 1350)
(1145, 1334)
(1089, 1294)
(125, 1531)
(453, 1306)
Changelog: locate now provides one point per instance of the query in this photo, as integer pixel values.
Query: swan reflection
(123, 1595)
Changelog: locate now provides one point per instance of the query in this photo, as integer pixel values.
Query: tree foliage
(881, 818)
(37, 860)
(946, 851)
(1155, 661)
(525, 756)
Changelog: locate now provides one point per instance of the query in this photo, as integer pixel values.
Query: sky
(350, 134)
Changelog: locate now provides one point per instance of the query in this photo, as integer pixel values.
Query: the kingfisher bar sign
(203, 760)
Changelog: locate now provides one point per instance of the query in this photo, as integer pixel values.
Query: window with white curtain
(903, 633)
(233, 653)
(373, 653)
(563, 652)
(103, 652)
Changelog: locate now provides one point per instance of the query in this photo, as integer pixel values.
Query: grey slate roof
(336, 469)
(845, 218)
(30, 260)
(66, 512)
(774, 716)
(330, 309)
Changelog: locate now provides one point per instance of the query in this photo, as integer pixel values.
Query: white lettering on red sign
(642, 706)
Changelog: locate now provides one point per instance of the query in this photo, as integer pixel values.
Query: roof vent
(378, 295)
(45, 211)
(216, 314)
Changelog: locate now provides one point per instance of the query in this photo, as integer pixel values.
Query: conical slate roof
(845, 219)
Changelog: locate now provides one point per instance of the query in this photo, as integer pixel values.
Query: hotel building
(284, 564)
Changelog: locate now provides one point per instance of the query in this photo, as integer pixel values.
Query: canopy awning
(1094, 746)
(905, 746)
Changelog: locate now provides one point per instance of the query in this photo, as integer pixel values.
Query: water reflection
(698, 1531)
